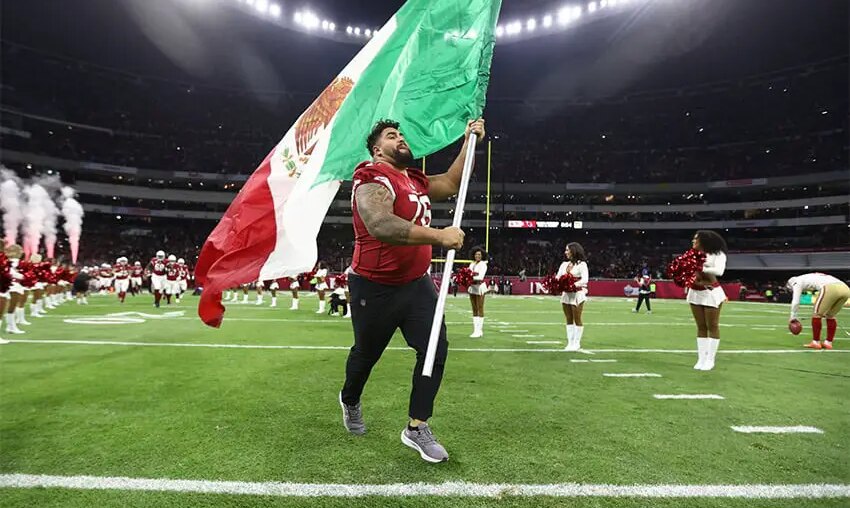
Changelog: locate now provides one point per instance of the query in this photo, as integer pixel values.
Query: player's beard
(403, 158)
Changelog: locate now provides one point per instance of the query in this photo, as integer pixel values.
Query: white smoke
(35, 213)
(10, 203)
(73, 213)
(52, 185)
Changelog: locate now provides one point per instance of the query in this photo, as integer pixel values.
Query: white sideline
(631, 374)
(797, 429)
(688, 397)
(447, 489)
(395, 348)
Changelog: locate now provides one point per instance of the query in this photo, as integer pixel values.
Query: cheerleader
(17, 292)
(706, 297)
(477, 290)
(294, 285)
(321, 285)
(573, 303)
(6, 285)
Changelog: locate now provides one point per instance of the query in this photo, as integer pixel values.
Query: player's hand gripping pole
(431, 353)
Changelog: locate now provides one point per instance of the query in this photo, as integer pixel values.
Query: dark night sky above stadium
(666, 43)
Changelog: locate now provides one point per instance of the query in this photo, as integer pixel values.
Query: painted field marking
(532, 336)
(544, 341)
(631, 374)
(574, 360)
(453, 489)
(689, 397)
(796, 429)
(394, 348)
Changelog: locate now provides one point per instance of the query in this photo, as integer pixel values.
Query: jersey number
(423, 209)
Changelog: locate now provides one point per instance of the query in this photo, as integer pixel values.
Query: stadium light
(262, 6)
(513, 28)
(297, 17)
(591, 7)
(357, 30)
(531, 24)
(368, 33)
(275, 10)
(325, 24)
(500, 31)
(332, 27)
(310, 20)
(547, 21)
(349, 30)
(603, 4)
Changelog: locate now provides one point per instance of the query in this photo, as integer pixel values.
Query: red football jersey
(381, 262)
(136, 271)
(157, 266)
(121, 271)
(172, 270)
(184, 272)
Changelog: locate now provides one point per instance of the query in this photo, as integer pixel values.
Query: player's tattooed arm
(375, 205)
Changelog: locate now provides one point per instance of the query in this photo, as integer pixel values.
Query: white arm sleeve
(584, 276)
(795, 300)
(480, 271)
(715, 264)
(562, 270)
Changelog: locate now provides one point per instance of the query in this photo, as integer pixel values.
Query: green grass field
(509, 412)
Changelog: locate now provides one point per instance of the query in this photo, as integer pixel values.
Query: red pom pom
(341, 280)
(5, 273)
(795, 327)
(556, 285)
(684, 269)
(463, 277)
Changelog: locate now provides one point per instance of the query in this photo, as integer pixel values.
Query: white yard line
(469, 350)
(688, 397)
(532, 336)
(544, 341)
(453, 489)
(631, 374)
(796, 429)
(578, 360)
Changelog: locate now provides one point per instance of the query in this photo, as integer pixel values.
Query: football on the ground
(795, 326)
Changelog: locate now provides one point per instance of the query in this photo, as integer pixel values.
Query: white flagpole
(431, 353)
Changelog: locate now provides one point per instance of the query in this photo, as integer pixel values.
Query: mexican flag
(427, 68)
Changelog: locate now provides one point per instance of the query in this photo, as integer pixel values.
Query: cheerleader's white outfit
(713, 295)
(478, 286)
(579, 270)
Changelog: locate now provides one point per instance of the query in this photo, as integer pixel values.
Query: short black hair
(377, 130)
(577, 251)
(711, 242)
(481, 250)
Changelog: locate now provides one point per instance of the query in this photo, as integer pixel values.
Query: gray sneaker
(423, 441)
(352, 418)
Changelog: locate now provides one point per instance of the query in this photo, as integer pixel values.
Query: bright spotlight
(325, 24)
(500, 31)
(298, 18)
(591, 7)
(514, 28)
(547, 21)
(262, 6)
(603, 4)
(310, 20)
(531, 24)
(564, 14)
(368, 33)
(332, 27)
(357, 30)
(274, 10)
(349, 30)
